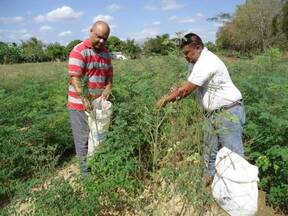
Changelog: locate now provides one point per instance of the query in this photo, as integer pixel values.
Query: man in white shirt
(220, 98)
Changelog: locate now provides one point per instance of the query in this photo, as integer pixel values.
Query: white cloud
(146, 33)
(46, 28)
(164, 5)
(113, 8)
(11, 20)
(59, 14)
(86, 30)
(26, 36)
(40, 18)
(65, 34)
(194, 30)
(218, 25)
(206, 35)
(156, 23)
(113, 27)
(212, 33)
(172, 18)
(181, 20)
(106, 18)
(15, 35)
(21, 31)
(199, 14)
(186, 20)
(29, 13)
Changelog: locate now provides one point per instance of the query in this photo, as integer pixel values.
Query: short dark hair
(190, 39)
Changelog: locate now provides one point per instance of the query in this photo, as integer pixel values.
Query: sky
(65, 20)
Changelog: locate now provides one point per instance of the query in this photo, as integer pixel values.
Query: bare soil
(173, 207)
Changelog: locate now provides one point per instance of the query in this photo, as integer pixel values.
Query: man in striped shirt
(91, 75)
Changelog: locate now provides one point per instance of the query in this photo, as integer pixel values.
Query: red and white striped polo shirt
(94, 67)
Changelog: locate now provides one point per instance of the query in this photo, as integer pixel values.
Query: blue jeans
(223, 128)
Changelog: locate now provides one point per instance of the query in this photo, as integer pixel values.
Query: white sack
(98, 121)
(235, 184)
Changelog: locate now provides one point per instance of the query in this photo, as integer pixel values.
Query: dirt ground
(173, 207)
(263, 209)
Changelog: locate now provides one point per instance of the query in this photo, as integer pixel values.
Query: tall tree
(132, 49)
(159, 45)
(3, 50)
(56, 52)
(71, 45)
(33, 50)
(284, 24)
(280, 21)
(114, 44)
(251, 27)
(10, 53)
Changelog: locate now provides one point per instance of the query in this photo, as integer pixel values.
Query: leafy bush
(211, 46)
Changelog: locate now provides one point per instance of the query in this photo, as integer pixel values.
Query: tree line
(34, 50)
(256, 26)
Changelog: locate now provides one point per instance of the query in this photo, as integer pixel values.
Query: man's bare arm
(179, 93)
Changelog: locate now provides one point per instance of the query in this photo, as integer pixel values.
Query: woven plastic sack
(98, 120)
(235, 184)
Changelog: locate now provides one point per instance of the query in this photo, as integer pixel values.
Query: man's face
(98, 37)
(191, 53)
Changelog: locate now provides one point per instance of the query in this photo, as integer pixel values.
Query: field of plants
(150, 156)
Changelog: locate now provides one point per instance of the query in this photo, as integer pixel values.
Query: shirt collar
(203, 52)
(88, 43)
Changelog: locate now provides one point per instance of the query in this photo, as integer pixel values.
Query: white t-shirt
(216, 87)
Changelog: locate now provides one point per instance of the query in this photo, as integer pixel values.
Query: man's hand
(106, 94)
(172, 89)
(107, 91)
(87, 104)
(177, 94)
(76, 82)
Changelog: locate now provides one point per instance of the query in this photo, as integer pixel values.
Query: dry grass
(12, 75)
